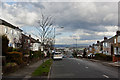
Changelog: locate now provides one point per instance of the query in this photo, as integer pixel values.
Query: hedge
(15, 57)
(101, 56)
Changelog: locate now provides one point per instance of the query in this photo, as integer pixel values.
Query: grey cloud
(73, 16)
(82, 18)
(90, 17)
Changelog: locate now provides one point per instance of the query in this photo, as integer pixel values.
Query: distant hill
(72, 45)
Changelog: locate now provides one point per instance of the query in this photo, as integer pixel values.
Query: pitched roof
(110, 40)
(3, 22)
(29, 37)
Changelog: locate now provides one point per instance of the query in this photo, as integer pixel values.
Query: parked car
(70, 56)
(64, 56)
(91, 55)
(79, 55)
(57, 55)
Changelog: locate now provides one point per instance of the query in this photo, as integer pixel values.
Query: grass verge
(43, 69)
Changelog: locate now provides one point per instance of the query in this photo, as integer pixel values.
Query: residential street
(81, 68)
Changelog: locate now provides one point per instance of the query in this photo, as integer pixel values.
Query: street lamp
(55, 34)
(75, 38)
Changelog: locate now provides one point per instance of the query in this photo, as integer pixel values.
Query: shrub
(10, 49)
(15, 57)
(11, 64)
(10, 67)
(16, 49)
(101, 56)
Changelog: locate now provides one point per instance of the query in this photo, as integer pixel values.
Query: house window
(106, 44)
(10, 44)
(90, 49)
(15, 32)
(5, 30)
(118, 51)
(115, 40)
(115, 51)
(118, 39)
(28, 41)
(11, 31)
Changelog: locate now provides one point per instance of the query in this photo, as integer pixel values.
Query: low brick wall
(116, 58)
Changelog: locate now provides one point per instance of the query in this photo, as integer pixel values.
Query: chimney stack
(118, 32)
(38, 40)
(98, 42)
(29, 36)
(105, 38)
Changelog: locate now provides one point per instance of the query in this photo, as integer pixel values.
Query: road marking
(49, 72)
(106, 76)
(26, 77)
(86, 67)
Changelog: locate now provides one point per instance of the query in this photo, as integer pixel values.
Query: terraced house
(12, 32)
(116, 46)
(108, 46)
(17, 38)
(97, 47)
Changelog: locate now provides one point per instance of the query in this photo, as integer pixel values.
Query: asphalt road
(81, 68)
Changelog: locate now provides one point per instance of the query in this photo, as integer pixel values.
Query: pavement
(73, 68)
(108, 63)
(23, 73)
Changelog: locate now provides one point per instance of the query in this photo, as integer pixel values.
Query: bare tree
(45, 29)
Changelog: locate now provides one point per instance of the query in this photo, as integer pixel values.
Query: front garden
(15, 58)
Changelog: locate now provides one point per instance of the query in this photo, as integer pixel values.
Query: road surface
(81, 68)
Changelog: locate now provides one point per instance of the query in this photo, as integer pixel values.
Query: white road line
(86, 67)
(105, 76)
(26, 77)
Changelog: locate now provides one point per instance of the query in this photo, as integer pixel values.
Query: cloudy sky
(85, 21)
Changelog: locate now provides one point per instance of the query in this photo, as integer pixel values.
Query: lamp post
(76, 43)
(55, 34)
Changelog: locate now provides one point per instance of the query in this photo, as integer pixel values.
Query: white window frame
(6, 30)
(118, 51)
(115, 51)
(28, 41)
(90, 49)
(115, 40)
(106, 44)
(12, 31)
(118, 39)
(15, 32)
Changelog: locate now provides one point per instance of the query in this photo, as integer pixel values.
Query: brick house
(30, 43)
(107, 46)
(97, 47)
(90, 49)
(116, 46)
